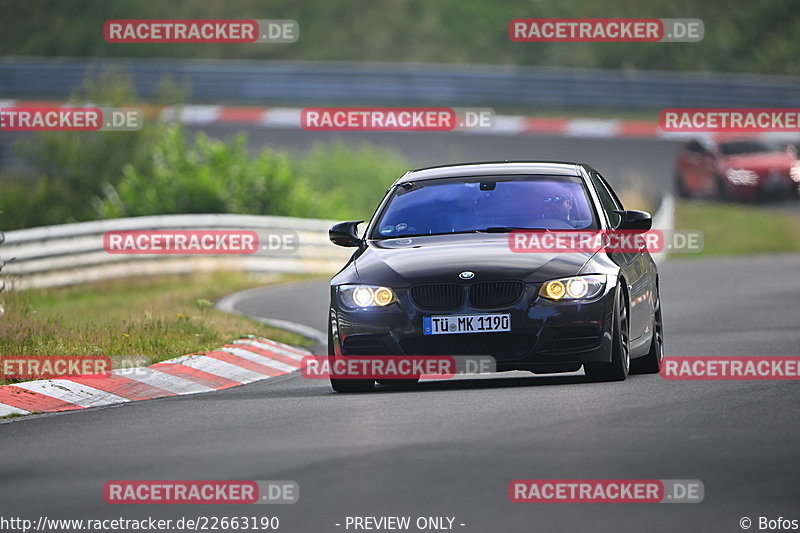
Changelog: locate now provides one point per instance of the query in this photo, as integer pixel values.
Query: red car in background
(737, 169)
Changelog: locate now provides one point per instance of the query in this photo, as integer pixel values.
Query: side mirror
(345, 234)
(634, 220)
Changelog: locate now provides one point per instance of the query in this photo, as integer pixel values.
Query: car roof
(497, 168)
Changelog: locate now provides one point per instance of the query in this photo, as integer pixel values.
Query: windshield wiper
(493, 229)
(507, 229)
(410, 235)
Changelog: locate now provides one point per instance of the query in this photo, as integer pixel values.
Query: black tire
(619, 367)
(651, 363)
(680, 188)
(352, 385)
(346, 385)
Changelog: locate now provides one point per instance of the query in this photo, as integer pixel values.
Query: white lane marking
(6, 410)
(277, 344)
(260, 359)
(296, 358)
(586, 127)
(69, 391)
(504, 125)
(220, 368)
(191, 114)
(282, 116)
(277, 349)
(294, 327)
(162, 380)
(230, 302)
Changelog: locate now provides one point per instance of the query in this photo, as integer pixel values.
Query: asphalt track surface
(450, 448)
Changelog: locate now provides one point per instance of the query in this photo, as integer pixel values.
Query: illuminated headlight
(740, 176)
(354, 296)
(574, 288)
(794, 172)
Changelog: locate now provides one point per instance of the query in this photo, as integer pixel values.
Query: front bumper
(545, 336)
(767, 187)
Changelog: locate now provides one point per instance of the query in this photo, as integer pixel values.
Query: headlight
(354, 296)
(574, 288)
(740, 176)
(794, 172)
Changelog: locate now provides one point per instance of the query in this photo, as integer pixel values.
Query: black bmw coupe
(434, 274)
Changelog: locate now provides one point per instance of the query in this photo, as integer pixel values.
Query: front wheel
(618, 368)
(651, 363)
(348, 385)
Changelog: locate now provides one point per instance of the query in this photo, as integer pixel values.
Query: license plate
(449, 324)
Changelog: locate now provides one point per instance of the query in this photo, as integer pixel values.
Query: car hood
(402, 262)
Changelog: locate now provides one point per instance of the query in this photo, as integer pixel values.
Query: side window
(695, 147)
(700, 147)
(608, 199)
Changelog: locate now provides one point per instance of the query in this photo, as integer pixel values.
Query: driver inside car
(556, 203)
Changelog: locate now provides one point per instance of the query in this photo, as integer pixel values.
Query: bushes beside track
(179, 175)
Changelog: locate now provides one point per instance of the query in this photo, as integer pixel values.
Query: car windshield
(487, 204)
(749, 147)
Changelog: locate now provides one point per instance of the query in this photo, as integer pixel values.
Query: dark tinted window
(608, 199)
(461, 205)
(749, 147)
(694, 146)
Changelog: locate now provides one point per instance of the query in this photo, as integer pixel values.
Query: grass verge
(150, 319)
(738, 229)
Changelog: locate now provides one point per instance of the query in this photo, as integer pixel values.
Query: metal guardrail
(67, 254)
(308, 83)
(52, 256)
